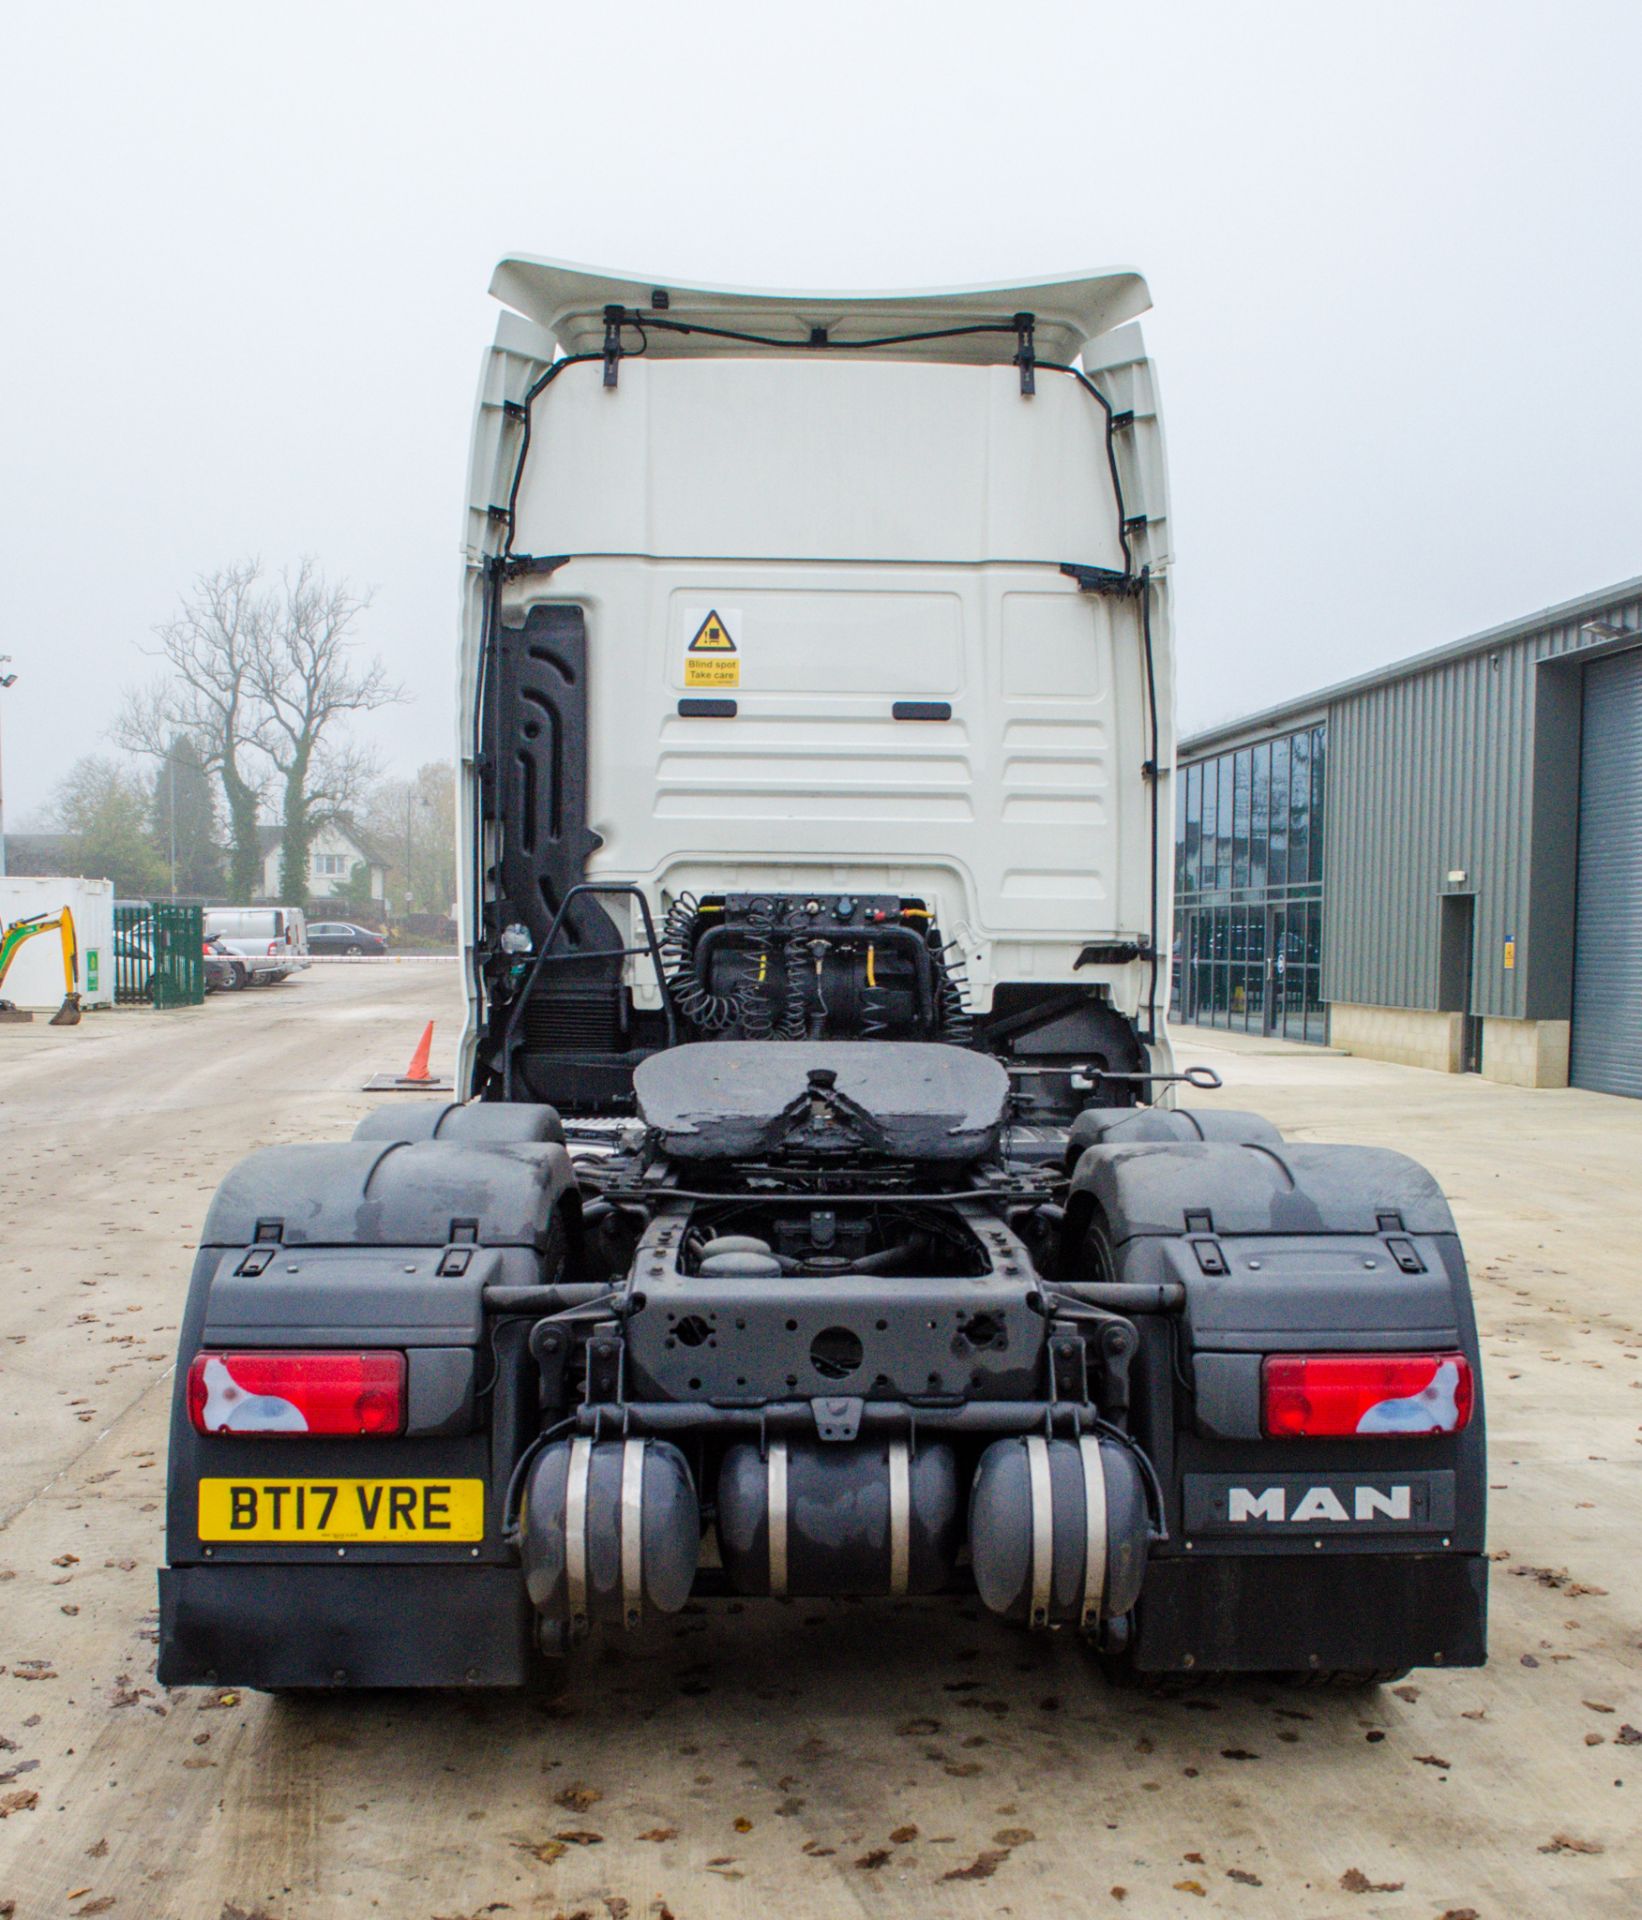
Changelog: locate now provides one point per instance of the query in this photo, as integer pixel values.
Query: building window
(1249, 888)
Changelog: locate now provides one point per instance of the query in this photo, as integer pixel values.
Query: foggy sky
(1393, 253)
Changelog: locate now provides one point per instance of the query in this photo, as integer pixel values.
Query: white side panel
(818, 460)
(35, 981)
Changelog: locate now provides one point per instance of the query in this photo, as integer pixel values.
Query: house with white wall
(335, 850)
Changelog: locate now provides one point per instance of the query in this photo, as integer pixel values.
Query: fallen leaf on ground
(1628, 1736)
(22, 1801)
(742, 1824)
(1410, 1694)
(100, 1905)
(872, 1861)
(982, 1867)
(902, 1835)
(1237, 1753)
(1567, 1843)
(577, 1799)
(1597, 1706)
(546, 1851)
(1243, 1878)
(1593, 1740)
(97, 1852)
(1192, 1886)
(580, 1837)
(1431, 1760)
(1354, 1880)
(660, 1833)
(1013, 1837)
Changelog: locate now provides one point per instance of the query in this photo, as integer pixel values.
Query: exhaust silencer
(1058, 1530)
(610, 1530)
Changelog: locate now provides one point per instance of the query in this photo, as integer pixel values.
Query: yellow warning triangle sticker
(712, 636)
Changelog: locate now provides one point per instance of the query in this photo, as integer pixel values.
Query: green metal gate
(159, 955)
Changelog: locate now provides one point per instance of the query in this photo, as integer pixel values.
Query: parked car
(225, 971)
(341, 936)
(272, 941)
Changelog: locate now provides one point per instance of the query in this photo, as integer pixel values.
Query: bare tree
(413, 821)
(304, 682)
(209, 698)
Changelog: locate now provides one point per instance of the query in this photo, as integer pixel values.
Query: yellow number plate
(373, 1512)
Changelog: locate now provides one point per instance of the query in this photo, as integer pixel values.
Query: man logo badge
(1239, 1505)
(1319, 1504)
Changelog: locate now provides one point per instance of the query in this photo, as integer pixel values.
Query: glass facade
(1248, 943)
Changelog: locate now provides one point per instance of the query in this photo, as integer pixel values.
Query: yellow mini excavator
(13, 937)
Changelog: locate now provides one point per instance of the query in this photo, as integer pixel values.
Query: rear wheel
(356, 951)
(236, 978)
(1345, 1679)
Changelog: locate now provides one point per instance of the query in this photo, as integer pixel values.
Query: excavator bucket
(68, 1014)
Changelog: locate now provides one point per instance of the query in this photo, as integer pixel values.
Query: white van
(272, 941)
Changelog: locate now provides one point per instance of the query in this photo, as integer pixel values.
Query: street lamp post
(413, 799)
(6, 680)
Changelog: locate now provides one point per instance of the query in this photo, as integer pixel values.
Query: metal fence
(159, 955)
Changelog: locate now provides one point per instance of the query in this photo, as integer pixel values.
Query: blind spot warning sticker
(711, 658)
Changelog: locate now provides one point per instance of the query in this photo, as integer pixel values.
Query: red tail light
(285, 1393)
(1310, 1394)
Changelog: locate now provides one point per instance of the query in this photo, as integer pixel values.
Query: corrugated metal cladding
(1607, 1038)
(1434, 773)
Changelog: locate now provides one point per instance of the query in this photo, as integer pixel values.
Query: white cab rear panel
(868, 529)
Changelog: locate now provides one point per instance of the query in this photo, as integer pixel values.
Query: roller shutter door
(1607, 1037)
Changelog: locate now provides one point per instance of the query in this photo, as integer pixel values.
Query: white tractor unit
(818, 1215)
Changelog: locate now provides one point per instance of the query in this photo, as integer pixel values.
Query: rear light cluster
(284, 1393)
(1307, 1395)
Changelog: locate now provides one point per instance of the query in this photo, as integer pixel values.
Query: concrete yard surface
(802, 1759)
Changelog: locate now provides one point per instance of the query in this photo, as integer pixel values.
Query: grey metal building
(1438, 863)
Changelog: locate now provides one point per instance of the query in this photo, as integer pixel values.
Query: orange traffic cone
(418, 1068)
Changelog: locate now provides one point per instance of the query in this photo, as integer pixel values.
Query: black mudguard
(375, 1243)
(1284, 1248)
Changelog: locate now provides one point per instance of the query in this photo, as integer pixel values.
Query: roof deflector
(570, 301)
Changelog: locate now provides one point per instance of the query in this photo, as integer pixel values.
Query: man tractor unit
(820, 1214)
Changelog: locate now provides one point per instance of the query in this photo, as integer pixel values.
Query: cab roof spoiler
(681, 319)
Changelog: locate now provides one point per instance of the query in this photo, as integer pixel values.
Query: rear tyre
(356, 952)
(237, 977)
(1120, 1673)
(1345, 1679)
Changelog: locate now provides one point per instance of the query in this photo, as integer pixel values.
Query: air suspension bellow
(1058, 1530)
(609, 1530)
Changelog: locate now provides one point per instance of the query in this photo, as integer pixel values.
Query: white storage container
(35, 981)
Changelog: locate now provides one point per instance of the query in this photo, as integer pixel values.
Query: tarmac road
(803, 1760)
